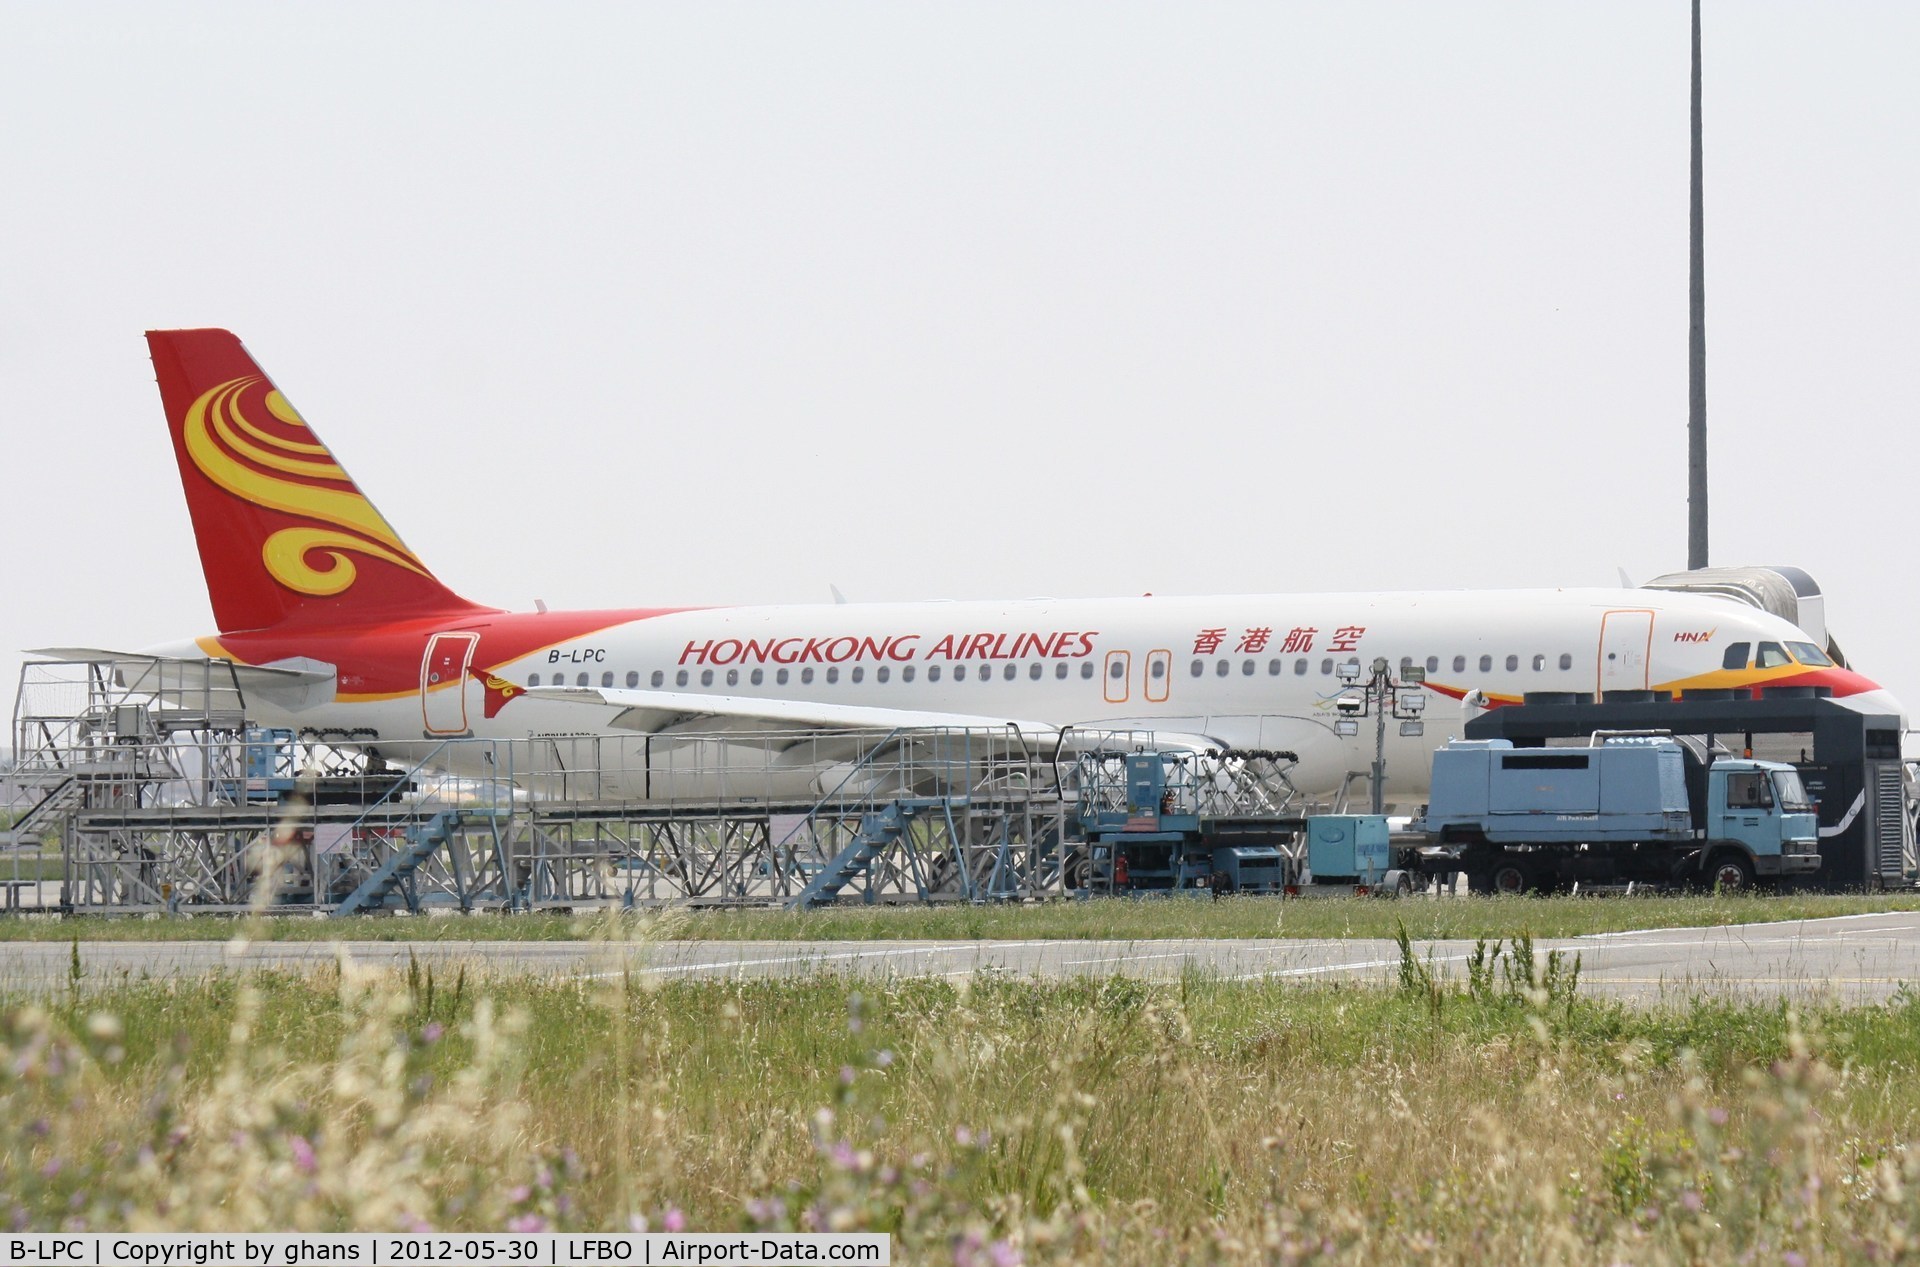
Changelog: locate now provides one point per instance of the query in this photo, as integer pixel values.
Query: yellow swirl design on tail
(228, 448)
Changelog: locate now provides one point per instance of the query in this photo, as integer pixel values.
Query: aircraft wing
(291, 683)
(657, 712)
(650, 712)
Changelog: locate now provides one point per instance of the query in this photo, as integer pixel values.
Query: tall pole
(1378, 687)
(1697, 345)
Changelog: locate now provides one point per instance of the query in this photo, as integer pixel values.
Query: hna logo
(1707, 636)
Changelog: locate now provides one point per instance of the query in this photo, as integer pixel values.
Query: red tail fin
(284, 533)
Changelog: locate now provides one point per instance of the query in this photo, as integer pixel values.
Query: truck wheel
(1729, 872)
(1510, 879)
(1394, 884)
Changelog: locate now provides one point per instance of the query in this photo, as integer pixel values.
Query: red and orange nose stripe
(1841, 682)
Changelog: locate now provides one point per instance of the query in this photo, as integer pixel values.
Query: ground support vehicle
(1187, 823)
(1626, 809)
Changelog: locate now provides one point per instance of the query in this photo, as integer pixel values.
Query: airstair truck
(1622, 810)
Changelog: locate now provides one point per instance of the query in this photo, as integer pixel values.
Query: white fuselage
(1246, 671)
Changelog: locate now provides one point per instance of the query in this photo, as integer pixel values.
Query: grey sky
(693, 304)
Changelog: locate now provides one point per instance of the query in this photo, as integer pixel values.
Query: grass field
(1501, 1120)
(1116, 919)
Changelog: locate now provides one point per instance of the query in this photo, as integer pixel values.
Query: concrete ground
(1856, 958)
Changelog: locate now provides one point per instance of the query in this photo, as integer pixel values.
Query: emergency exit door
(443, 682)
(1159, 678)
(1626, 647)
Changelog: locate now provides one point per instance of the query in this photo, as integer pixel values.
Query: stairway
(878, 829)
(62, 791)
(422, 840)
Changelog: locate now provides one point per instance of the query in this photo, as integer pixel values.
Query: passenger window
(1199, 667)
(1300, 667)
(806, 676)
(1246, 668)
(1406, 662)
(733, 677)
(1118, 669)
(706, 677)
(1060, 670)
(1771, 656)
(1221, 669)
(606, 679)
(1736, 657)
(1274, 668)
(882, 673)
(1009, 671)
(533, 680)
(858, 673)
(1486, 664)
(1433, 664)
(580, 680)
(757, 676)
(633, 678)
(1157, 668)
(933, 673)
(833, 674)
(780, 677)
(1035, 669)
(1539, 663)
(680, 678)
(659, 679)
(1326, 667)
(1566, 659)
(959, 672)
(1513, 664)
(1086, 669)
(1459, 664)
(906, 673)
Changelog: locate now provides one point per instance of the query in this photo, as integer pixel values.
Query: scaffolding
(144, 787)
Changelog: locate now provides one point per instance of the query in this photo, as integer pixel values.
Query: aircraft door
(443, 682)
(1626, 643)
(1159, 676)
(1117, 685)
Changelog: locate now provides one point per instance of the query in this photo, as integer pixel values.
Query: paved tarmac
(1854, 958)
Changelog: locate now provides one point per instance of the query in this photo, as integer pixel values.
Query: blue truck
(1623, 809)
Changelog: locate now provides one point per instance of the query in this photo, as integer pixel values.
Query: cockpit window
(1771, 656)
(1808, 654)
(1736, 657)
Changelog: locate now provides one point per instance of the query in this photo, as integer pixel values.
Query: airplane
(333, 626)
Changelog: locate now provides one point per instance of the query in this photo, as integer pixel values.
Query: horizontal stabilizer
(292, 684)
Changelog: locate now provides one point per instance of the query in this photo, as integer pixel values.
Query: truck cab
(1759, 814)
